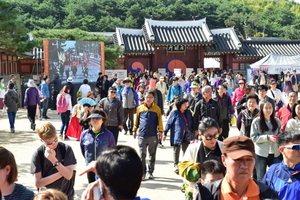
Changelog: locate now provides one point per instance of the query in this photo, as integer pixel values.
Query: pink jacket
(238, 95)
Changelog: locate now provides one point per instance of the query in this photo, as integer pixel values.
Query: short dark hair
(45, 77)
(292, 91)
(100, 73)
(287, 137)
(252, 96)
(7, 158)
(150, 92)
(114, 177)
(112, 88)
(248, 89)
(207, 123)
(179, 102)
(294, 109)
(85, 81)
(213, 167)
(11, 86)
(262, 87)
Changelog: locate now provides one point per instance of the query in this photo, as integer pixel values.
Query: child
(52, 165)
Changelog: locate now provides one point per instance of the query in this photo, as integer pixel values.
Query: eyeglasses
(50, 143)
(210, 137)
(293, 146)
(113, 92)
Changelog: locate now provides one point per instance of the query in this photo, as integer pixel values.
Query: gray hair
(205, 88)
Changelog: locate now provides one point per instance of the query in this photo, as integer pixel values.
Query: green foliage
(13, 34)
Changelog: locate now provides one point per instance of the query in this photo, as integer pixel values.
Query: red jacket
(238, 95)
(284, 114)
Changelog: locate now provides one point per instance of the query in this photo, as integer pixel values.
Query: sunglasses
(210, 137)
(113, 92)
(293, 146)
(50, 143)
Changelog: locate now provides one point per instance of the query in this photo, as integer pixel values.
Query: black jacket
(202, 110)
(211, 191)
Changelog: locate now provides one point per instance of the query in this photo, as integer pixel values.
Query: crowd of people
(201, 110)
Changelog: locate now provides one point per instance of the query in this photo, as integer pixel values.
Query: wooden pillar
(201, 57)
(155, 58)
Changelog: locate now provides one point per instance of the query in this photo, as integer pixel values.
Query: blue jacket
(187, 86)
(174, 90)
(177, 124)
(93, 144)
(148, 120)
(280, 178)
(45, 89)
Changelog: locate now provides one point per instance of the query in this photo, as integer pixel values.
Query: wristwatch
(57, 163)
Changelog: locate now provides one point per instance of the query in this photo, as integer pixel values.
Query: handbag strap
(272, 93)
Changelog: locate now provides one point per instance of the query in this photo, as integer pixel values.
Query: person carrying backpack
(64, 107)
(53, 163)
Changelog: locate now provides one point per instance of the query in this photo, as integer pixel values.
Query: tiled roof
(261, 49)
(225, 40)
(132, 40)
(177, 32)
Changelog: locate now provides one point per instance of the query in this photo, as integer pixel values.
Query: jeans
(11, 118)
(45, 107)
(176, 151)
(65, 119)
(31, 112)
(149, 142)
(262, 162)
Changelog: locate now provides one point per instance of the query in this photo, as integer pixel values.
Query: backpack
(61, 104)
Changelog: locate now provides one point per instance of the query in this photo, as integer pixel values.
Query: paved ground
(24, 142)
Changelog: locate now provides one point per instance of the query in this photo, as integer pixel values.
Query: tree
(13, 34)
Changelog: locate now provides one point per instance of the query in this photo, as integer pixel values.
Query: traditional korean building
(186, 44)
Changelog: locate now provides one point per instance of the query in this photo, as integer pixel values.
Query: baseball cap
(194, 85)
(238, 146)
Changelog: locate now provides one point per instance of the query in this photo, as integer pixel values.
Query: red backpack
(61, 104)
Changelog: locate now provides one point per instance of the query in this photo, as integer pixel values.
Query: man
(285, 113)
(71, 85)
(130, 77)
(148, 121)
(194, 96)
(207, 107)
(52, 165)
(262, 95)
(113, 80)
(162, 87)
(226, 110)
(46, 95)
(284, 177)
(56, 89)
(295, 81)
(114, 110)
(230, 81)
(175, 89)
(99, 83)
(130, 101)
(239, 159)
(113, 179)
(262, 78)
(218, 82)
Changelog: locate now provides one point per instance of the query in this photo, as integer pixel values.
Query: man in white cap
(71, 85)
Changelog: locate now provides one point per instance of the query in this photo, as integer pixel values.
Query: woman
(31, 100)
(2, 92)
(11, 101)
(239, 92)
(140, 94)
(263, 133)
(208, 149)
(187, 86)
(212, 78)
(85, 113)
(51, 194)
(65, 116)
(247, 115)
(95, 140)
(180, 123)
(92, 95)
(241, 105)
(84, 88)
(287, 83)
(8, 175)
(276, 95)
(293, 125)
(74, 129)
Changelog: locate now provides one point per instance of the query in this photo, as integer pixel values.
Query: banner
(189, 72)
(162, 71)
(177, 72)
(277, 69)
